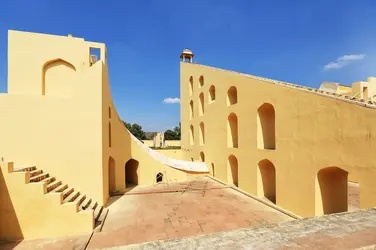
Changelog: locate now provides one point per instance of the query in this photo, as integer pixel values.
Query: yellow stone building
(294, 145)
(63, 147)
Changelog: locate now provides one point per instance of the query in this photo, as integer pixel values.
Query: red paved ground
(204, 207)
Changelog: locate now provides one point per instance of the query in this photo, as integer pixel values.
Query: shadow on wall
(111, 175)
(266, 178)
(9, 225)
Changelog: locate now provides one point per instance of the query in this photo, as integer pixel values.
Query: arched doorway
(232, 170)
(266, 127)
(331, 191)
(266, 180)
(131, 173)
(111, 175)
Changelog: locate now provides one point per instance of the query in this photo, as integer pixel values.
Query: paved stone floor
(356, 230)
(210, 212)
(199, 207)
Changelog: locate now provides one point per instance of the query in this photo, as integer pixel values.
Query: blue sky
(285, 40)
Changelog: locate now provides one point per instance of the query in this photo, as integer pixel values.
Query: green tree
(170, 135)
(136, 130)
(177, 131)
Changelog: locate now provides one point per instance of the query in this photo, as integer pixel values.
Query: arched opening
(202, 105)
(131, 173)
(232, 170)
(159, 178)
(211, 94)
(191, 114)
(201, 81)
(232, 131)
(232, 96)
(191, 135)
(331, 191)
(109, 135)
(58, 77)
(202, 134)
(190, 85)
(111, 175)
(109, 112)
(266, 180)
(212, 169)
(202, 156)
(192, 159)
(266, 127)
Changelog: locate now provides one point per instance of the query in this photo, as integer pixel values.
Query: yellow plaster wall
(58, 115)
(173, 153)
(149, 143)
(312, 132)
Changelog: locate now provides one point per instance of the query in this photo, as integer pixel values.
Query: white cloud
(170, 100)
(343, 60)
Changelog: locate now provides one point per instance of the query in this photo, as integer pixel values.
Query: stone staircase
(70, 196)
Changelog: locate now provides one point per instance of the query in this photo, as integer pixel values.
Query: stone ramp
(356, 230)
(198, 167)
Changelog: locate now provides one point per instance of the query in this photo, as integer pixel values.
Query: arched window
(109, 135)
(202, 104)
(232, 131)
(191, 113)
(190, 85)
(211, 94)
(192, 135)
(332, 188)
(266, 180)
(232, 170)
(58, 77)
(201, 80)
(232, 96)
(202, 156)
(159, 178)
(266, 127)
(202, 134)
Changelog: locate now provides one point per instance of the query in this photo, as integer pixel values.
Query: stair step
(97, 212)
(39, 177)
(35, 172)
(24, 169)
(53, 185)
(60, 188)
(85, 204)
(67, 192)
(80, 199)
(93, 205)
(72, 196)
(49, 180)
